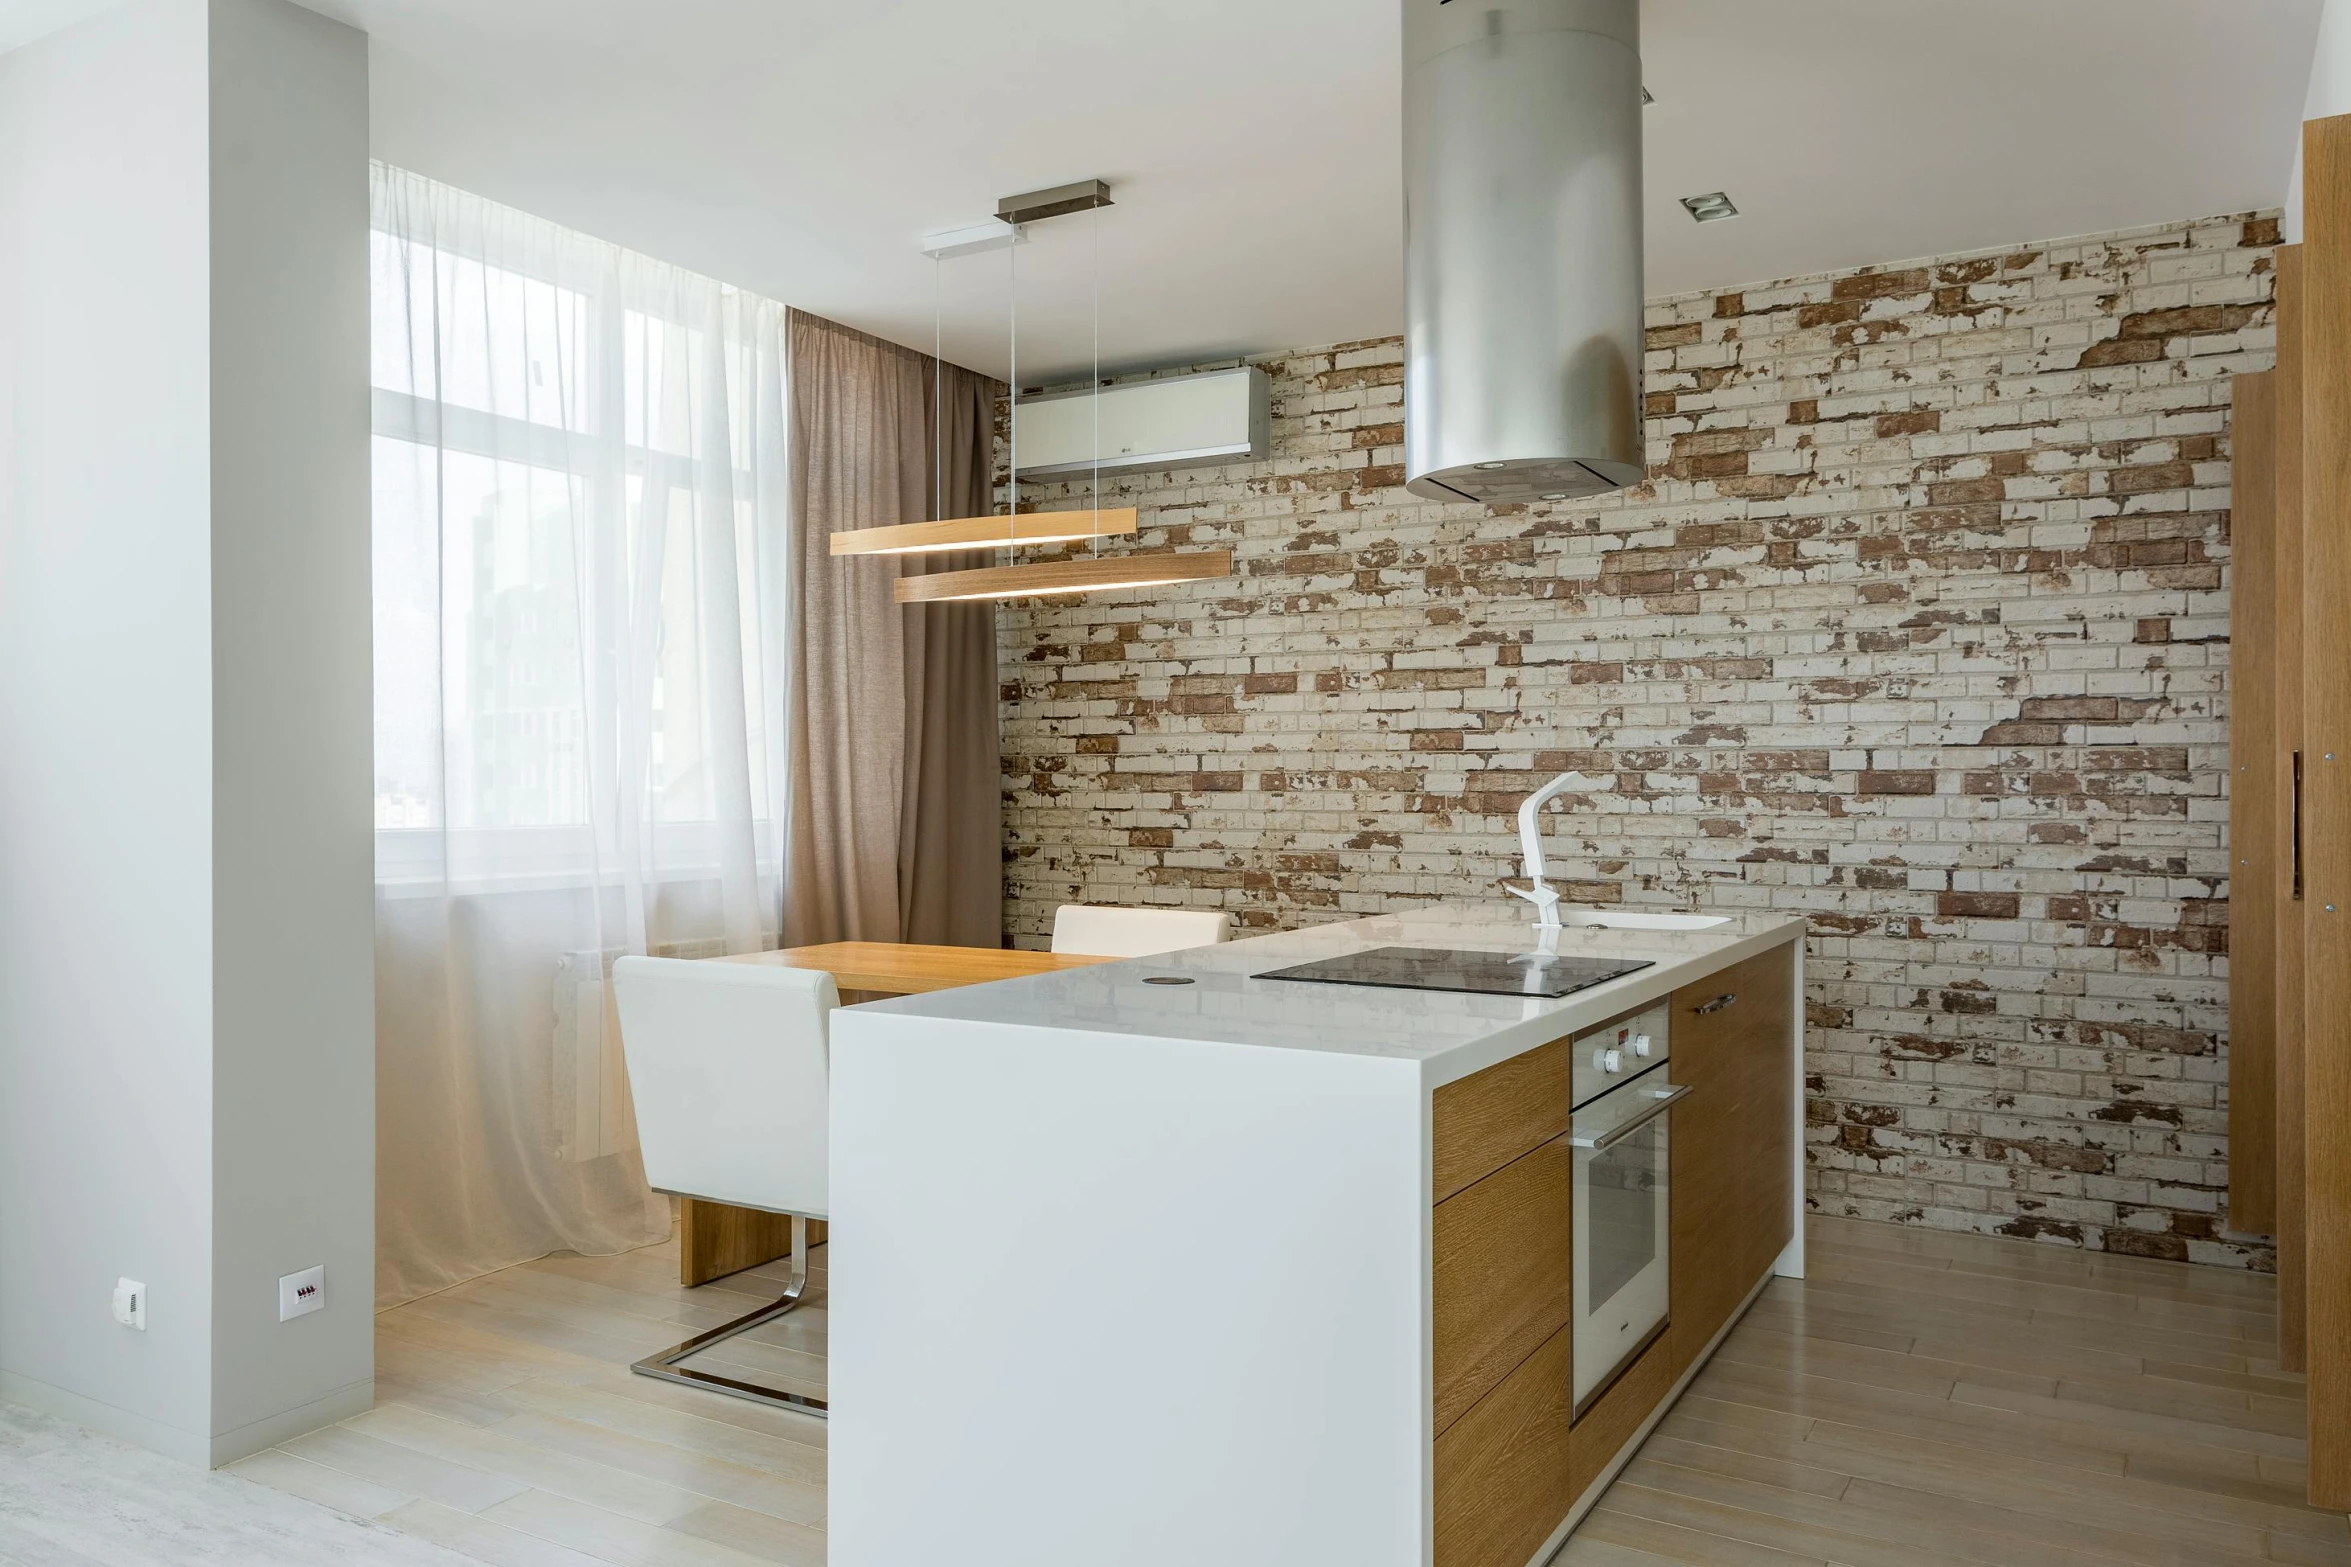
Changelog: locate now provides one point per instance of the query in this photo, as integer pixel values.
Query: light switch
(300, 1294)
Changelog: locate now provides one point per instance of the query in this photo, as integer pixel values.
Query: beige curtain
(896, 789)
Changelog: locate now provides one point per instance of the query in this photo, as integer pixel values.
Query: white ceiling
(22, 21)
(800, 149)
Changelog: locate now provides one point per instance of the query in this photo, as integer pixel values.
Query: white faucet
(1530, 851)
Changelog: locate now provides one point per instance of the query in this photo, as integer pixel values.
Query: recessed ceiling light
(1493, 465)
(1712, 207)
(1556, 495)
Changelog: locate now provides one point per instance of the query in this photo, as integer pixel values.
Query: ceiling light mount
(1031, 206)
(969, 239)
(1712, 207)
(1017, 529)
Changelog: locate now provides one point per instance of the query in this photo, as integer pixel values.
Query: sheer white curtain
(582, 628)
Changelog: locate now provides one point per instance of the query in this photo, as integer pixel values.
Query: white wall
(293, 895)
(105, 725)
(184, 946)
(2329, 94)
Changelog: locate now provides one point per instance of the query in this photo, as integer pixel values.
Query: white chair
(730, 1068)
(1106, 932)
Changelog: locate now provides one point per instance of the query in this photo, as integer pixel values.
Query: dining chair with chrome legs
(730, 1069)
(1109, 931)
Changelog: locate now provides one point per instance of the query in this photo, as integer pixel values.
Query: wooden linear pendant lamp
(969, 533)
(1039, 579)
(1046, 578)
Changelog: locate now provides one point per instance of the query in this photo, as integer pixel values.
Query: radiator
(593, 1118)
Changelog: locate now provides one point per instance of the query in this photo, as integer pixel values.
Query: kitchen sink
(1629, 919)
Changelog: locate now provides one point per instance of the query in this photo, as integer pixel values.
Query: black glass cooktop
(1490, 973)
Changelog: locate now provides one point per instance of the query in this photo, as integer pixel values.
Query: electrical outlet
(130, 1304)
(300, 1294)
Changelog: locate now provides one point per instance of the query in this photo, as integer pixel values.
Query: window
(579, 556)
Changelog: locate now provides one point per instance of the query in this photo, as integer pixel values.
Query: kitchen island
(1167, 1262)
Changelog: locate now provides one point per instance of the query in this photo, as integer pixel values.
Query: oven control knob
(1640, 1044)
(1608, 1059)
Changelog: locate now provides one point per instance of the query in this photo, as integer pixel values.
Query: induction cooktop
(1488, 973)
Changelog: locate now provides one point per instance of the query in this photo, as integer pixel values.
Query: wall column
(186, 925)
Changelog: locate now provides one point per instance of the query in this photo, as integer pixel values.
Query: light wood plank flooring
(1923, 1399)
(1920, 1400)
(509, 1428)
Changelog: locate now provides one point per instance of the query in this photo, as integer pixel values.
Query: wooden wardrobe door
(2326, 799)
(2285, 814)
(2253, 1106)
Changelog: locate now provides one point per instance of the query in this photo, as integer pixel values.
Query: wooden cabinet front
(1489, 1118)
(1616, 1414)
(1503, 1274)
(1502, 1177)
(1500, 1294)
(1503, 1480)
(1733, 1173)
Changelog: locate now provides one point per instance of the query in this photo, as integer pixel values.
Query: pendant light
(964, 533)
(1013, 530)
(1048, 578)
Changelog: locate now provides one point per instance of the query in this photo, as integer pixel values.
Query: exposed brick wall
(1918, 631)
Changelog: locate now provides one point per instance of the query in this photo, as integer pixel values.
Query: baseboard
(353, 1398)
(1624, 1455)
(189, 1447)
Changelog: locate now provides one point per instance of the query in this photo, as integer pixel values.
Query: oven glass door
(1623, 1229)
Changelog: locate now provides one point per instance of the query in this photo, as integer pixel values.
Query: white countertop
(1450, 1033)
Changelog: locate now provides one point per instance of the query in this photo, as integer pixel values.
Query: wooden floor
(509, 1428)
(1920, 1400)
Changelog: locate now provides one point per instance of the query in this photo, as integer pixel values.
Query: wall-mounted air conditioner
(1214, 417)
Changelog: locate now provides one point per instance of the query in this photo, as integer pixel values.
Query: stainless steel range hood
(1522, 249)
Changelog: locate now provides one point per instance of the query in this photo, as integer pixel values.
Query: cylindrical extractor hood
(1522, 248)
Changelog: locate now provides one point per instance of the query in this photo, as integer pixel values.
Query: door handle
(2297, 826)
(1662, 1102)
(1717, 1004)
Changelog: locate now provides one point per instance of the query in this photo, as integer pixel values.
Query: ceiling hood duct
(1522, 248)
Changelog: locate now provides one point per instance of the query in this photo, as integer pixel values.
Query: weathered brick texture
(1918, 631)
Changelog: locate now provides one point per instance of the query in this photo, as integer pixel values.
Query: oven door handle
(1661, 1101)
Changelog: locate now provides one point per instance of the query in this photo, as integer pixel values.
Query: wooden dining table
(715, 1239)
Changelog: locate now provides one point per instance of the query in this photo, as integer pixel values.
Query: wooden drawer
(1502, 1280)
(1611, 1422)
(1502, 1475)
(1733, 1141)
(1488, 1119)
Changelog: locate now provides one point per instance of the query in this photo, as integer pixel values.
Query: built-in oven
(1621, 1127)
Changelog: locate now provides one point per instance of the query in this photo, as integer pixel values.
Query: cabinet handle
(1717, 1004)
